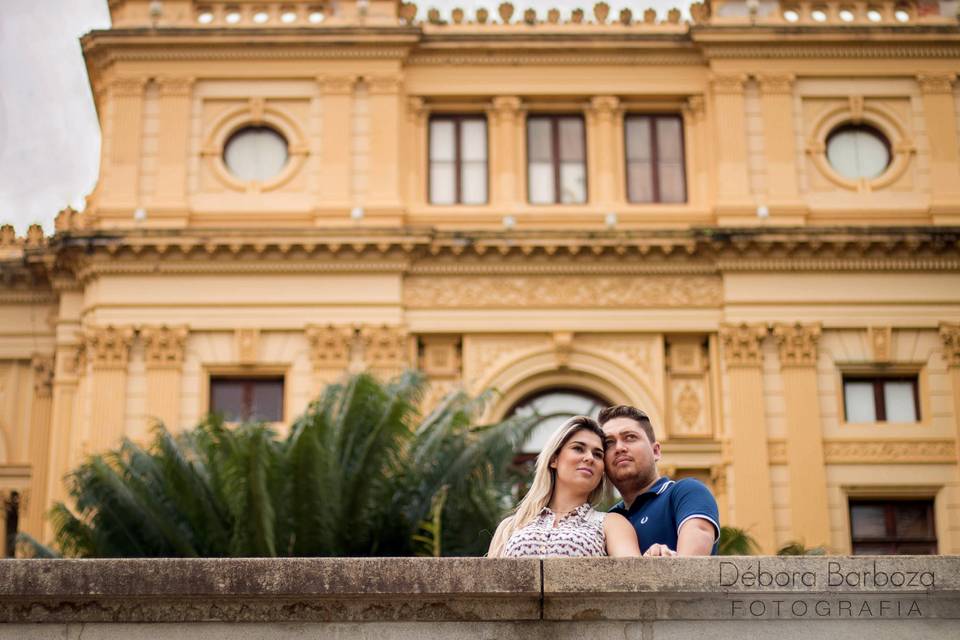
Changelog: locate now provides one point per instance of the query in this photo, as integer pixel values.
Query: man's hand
(659, 551)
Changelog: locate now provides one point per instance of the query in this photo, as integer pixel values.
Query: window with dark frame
(655, 158)
(869, 399)
(556, 160)
(892, 527)
(458, 159)
(247, 399)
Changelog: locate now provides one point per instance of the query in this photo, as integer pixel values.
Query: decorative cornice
(950, 334)
(780, 51)
(330, 346)
(164, 346)
(251, 51)
(585, 58)
(108, 347)
(728, 84)
(798, 344)
(911, 451)
(742, 344)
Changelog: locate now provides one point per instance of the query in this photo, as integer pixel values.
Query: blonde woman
(556, 517)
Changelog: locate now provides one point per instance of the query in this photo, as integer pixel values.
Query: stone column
(171, 189)
(695, 150)
(805, 459)
(506, 147)
(939, 115)
(752, 495)
(732, 173)
(336, 158)
(331, 349)
(417, 144)
(120, 184)
(779, 140)
(33, 517)
(601, 155)
(108, 349)
(385, 128)
(163, 351)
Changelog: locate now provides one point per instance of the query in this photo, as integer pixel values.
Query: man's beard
(633, 483)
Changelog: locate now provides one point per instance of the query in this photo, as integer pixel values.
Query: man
(671, 518)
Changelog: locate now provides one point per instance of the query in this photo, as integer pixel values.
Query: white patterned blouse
(579, 534)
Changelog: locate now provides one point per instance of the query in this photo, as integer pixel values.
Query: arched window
(554, 406)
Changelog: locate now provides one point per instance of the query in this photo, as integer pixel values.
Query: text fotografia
(826, 608)
(837, 576)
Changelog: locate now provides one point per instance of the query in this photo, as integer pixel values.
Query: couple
(657, 516)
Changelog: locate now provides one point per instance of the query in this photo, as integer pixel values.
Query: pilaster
(696, 150)
(602, 160)
(417, 144)
(752, 495)
(805, 459)
(171, 185)
(108, 349)
(732, 179)
(940, 119)
(385, 128)
(163, 350)
(336, 171)
(121, 172)
(776, 105)
(32, 518)
(506, 129)
(950, 334)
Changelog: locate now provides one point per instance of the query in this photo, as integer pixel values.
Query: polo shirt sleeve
(692, 499)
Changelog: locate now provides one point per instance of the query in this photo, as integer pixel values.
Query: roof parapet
(252, 13)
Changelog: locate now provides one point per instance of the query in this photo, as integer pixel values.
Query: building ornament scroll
(950, 334)
(43, 372)
(798, 344)
(385, 347)
(164, 346)
(530, 291)
(330, 346)
(742, 344)
(108, 347)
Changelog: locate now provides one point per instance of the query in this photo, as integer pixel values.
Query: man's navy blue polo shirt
(658, 513)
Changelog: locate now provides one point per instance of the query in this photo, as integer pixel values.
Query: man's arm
(696, 537)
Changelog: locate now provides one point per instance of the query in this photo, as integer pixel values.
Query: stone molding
(128, 87)
(934, 83)
(385, 85)
(164, 346)
(728, 84)
(915, 451)
(798, 344)
(776, 83)
(337, 85)
(330, 346)
(742, 344)
(950, 334)
(881, 343)
(474, 590)
(175, 86)
(43, 374)
(597, 291)
(385, 347)
(605, 108)
(108, 347)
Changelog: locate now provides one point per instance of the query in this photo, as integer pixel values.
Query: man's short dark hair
(626, 411)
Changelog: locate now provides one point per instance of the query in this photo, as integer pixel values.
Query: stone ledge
(880, 589)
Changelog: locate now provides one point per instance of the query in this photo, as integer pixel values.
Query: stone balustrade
(792, 597)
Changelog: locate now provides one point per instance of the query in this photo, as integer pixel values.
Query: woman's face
(579, 463)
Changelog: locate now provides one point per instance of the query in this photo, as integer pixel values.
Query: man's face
(629, 456)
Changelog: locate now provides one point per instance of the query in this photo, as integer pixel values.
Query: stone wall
(643, 599)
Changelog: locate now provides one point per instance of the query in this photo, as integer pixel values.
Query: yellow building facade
(747, 224)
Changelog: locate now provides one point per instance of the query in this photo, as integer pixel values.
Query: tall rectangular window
(876, 399)
(557, 160)
(247, 399)
(892, 527)
(458, 160)
(655, 163)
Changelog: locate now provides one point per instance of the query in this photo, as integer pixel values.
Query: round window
(554, 407)
(255, 153)
(858, 151)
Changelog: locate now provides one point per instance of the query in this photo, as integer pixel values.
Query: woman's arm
(621, 537)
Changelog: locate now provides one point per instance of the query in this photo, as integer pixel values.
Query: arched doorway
(554, 406)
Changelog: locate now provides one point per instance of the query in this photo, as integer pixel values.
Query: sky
(49, 134)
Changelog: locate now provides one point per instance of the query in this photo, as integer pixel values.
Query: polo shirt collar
(655, 489)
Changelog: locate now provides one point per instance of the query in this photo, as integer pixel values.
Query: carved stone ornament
(506, 108)
(728, 84)
(127, 87)
(562, 348)
(330, 346)
(889, 451)
(532, 291)
(441, 356)
(175, 87)
(686, 357)
(385, 85)
(776, 83)
(936, 83)
(506, 11)
(338, 85)
(881, 342)
(688, 409)
(247, 345)
(604, 107)
(43, 370)
(718, 479)
(742, 344)
(385, 347)
(950, 334)
(601, 11)
(164, 346)
(798, 344)
(109, 347)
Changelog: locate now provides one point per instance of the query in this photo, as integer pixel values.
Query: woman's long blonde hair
(544, 482)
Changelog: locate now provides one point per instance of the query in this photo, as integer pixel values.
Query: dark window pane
(267, 401)
(247, 399)
(912, 520)
(868, 521)
(873, 549)
(226, 398)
